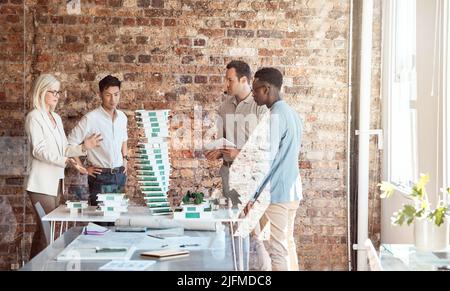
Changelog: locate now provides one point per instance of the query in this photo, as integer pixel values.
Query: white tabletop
(62, 213)
(217, 256)
(405, 257)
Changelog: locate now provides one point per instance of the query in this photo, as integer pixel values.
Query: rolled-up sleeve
(125, 130)
(79, 132)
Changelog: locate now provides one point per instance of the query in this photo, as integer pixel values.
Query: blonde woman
(49, 151)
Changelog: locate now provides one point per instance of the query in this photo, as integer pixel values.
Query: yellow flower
(387, 189)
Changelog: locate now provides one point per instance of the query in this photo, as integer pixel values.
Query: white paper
(218, 144)
(127, 265)
(95, 228)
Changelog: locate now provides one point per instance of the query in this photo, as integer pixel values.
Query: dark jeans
(97, 185)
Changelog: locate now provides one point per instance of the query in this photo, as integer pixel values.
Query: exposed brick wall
(13, 221)
(172, 54)
(375, 154)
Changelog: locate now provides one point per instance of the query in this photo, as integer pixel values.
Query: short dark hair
(108, 81)
(242, 69)
(271, 76)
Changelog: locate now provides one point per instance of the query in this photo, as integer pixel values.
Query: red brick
(72, 47)
(199, 42)
(69, 19)
(129, 58)
(186, 79)
(240, 24)
(13, 18)
(114, 58)
(142, 21)
(88, 77)
(240, 33)
(145, 58)
(156, 22)
(115, 3)
(187, 60)
(158, 3)
(215, 79)
(141, 39)
(129, 22)
(270, 34)
(185, 41)
(201, 79)
(212, 33)
(70, 39)
(144, 3)
(170, 22)
(17, 181)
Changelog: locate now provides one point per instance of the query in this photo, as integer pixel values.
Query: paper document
(127, 266)
(94, 229)
(218, 144)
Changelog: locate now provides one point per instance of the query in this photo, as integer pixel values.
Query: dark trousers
(106, 183)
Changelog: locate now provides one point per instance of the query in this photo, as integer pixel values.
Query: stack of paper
(94, 229)
(112, 204)
(153, 162)
(127, 265)
(76, 206)
(192, 211)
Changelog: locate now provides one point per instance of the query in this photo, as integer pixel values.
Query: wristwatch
(83, 149)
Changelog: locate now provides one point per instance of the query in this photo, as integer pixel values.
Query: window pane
(403, 152)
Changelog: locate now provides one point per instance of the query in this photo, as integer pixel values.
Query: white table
(228, 216)
(62, 214)
(405, 257)
(199, 259)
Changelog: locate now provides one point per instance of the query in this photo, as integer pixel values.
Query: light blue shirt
(285, 142)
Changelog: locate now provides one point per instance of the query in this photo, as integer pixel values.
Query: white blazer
(48, 153)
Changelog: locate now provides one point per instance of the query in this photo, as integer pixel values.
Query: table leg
(233, 246)
(52, 231)
(241, 253)
(61, 228)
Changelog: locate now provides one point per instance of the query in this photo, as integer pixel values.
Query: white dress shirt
(114, 134)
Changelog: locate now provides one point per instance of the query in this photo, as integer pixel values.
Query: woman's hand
(93, 141)
(82, 170)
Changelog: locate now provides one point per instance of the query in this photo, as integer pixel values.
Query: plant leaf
(438, 215)
(407, 213)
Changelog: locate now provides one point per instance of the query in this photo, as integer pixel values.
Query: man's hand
(230, 153)
(93, 141)
(92, 171)
(213, 155)
(248, 207)
(125, 165)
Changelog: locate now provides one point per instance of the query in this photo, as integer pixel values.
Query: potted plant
(431, 228)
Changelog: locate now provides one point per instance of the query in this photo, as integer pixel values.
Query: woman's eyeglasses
(56, 93)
